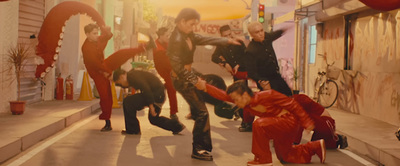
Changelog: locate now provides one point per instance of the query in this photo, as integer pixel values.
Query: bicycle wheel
(328, 93)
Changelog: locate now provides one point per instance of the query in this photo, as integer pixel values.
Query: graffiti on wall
(351, 91)
(397, 33)
(395, 100)
(207, 28)
(374, 90)
(375, 42)
(333, 43)
(211, 28)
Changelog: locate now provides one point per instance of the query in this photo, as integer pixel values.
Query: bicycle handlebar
(326, 60)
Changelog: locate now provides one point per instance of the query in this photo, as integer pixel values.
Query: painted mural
(333, 44)
(286, 69)
(372, 87)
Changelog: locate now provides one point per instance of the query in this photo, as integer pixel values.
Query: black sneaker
(174, 116)
(202, 155)
(124, 132)
(246, 127)
(342, 141)
(106, 128)
(177, 132)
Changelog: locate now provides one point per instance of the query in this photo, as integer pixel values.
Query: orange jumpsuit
(96, 65)
(277, 124)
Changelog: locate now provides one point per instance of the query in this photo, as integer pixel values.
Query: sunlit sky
(208, 9)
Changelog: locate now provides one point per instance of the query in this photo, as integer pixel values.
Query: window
(313, 44)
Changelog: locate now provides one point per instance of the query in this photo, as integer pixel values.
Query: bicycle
(326, 89)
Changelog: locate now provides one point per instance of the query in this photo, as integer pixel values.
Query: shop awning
(284, 18)
(304, 9)
(309, 9)
(208, 9)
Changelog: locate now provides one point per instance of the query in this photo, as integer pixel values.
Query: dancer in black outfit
(261, 61)
(181, 47)
(152, 95)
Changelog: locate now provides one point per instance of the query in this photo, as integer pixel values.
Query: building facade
(21, 21)
(363, 43)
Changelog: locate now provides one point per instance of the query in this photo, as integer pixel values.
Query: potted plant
(16, 59)
(295, 78)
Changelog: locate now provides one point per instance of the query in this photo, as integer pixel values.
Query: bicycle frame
(326, 89)
(320, 80)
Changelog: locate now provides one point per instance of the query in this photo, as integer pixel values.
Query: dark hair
(224, 28)
(239, 87)
(187, 14)
(161, 31)
(89, 27)
(117, 73)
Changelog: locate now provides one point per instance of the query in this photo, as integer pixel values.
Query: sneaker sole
(105, 130)
(323, 150)
(245, 130)
(202, 158)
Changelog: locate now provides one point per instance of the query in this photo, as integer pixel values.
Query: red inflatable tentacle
(52, 30)
(385, 5)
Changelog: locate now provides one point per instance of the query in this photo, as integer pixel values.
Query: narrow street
(82, 144)
(345, 50)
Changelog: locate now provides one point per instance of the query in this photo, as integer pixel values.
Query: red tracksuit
(324, 125)
(277, 124)
(96, 65)
(163, 67)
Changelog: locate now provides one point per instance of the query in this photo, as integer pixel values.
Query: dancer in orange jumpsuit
(100, 69)
(163, 67)
(279, 117)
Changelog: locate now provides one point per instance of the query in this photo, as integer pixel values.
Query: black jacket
(180, 55)
(261, 61)
(233, 54)
(148, 84)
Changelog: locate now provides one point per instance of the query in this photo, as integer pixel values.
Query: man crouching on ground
(279, 117)
(152, 95)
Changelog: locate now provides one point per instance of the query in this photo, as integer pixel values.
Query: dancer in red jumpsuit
(324, 124)
(100, 69)
(163, 67)
(279, 117)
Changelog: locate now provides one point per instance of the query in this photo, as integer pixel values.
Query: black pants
(221, 108)
(137, 102)
(198, 109)
(279, 84)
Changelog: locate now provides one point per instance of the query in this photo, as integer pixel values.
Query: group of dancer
(282, 116)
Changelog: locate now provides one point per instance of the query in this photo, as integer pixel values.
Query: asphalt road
(82, 144)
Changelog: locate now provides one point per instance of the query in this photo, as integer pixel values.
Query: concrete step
(40, 121)
(367, 136)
